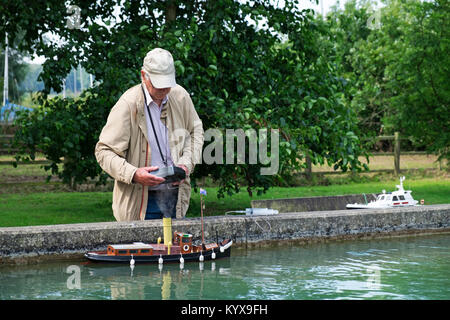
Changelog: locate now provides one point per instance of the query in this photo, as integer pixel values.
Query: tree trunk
(171, 12)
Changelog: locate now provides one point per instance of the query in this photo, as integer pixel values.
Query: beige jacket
(123, 148)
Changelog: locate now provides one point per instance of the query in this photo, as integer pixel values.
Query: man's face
(155, 93)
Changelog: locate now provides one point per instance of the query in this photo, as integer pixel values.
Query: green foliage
(348, 30)
(417, 46)
(398, 69)
(66, 131)
(245, 66)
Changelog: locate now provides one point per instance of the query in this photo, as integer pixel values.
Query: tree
(417, 37)
(349, 28)
(245, 65)
(398, 70)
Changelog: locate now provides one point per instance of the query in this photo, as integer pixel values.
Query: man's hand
(143, 176)
(182, 166)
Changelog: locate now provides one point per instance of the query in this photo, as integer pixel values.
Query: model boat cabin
(182, 245)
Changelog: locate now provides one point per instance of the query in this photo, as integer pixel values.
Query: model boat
(182, 248)
(398, 198)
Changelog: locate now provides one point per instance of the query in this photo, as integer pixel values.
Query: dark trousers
(162, 203)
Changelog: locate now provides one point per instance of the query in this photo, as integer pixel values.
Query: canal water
(415, 267)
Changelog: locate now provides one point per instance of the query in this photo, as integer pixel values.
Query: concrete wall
(312, 203)
(19, 242)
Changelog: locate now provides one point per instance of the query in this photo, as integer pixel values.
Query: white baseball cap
(158, 63)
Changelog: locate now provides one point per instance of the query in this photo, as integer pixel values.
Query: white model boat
(399, 198)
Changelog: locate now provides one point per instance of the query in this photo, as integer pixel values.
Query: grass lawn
(54, 208)
(433, 191)
(79, 207)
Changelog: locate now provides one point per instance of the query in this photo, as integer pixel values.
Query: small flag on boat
(203, 191)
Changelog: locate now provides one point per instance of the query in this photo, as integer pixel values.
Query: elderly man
(153, 125)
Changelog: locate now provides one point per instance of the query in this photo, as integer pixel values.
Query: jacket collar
(141, 107)
(149, 99)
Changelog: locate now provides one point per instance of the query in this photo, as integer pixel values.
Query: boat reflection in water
(166, 282)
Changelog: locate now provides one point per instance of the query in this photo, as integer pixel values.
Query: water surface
(397, 268)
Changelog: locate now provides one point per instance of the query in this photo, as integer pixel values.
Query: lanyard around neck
(154, 131)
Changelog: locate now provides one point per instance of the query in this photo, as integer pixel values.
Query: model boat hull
(102, 256)
(365, 206)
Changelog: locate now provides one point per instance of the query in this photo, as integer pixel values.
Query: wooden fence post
(396, 153)
(308, 169)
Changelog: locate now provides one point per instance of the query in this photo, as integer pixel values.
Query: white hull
(396, 199)
(366, 206)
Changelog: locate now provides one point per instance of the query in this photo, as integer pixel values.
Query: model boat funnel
(167, 229)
